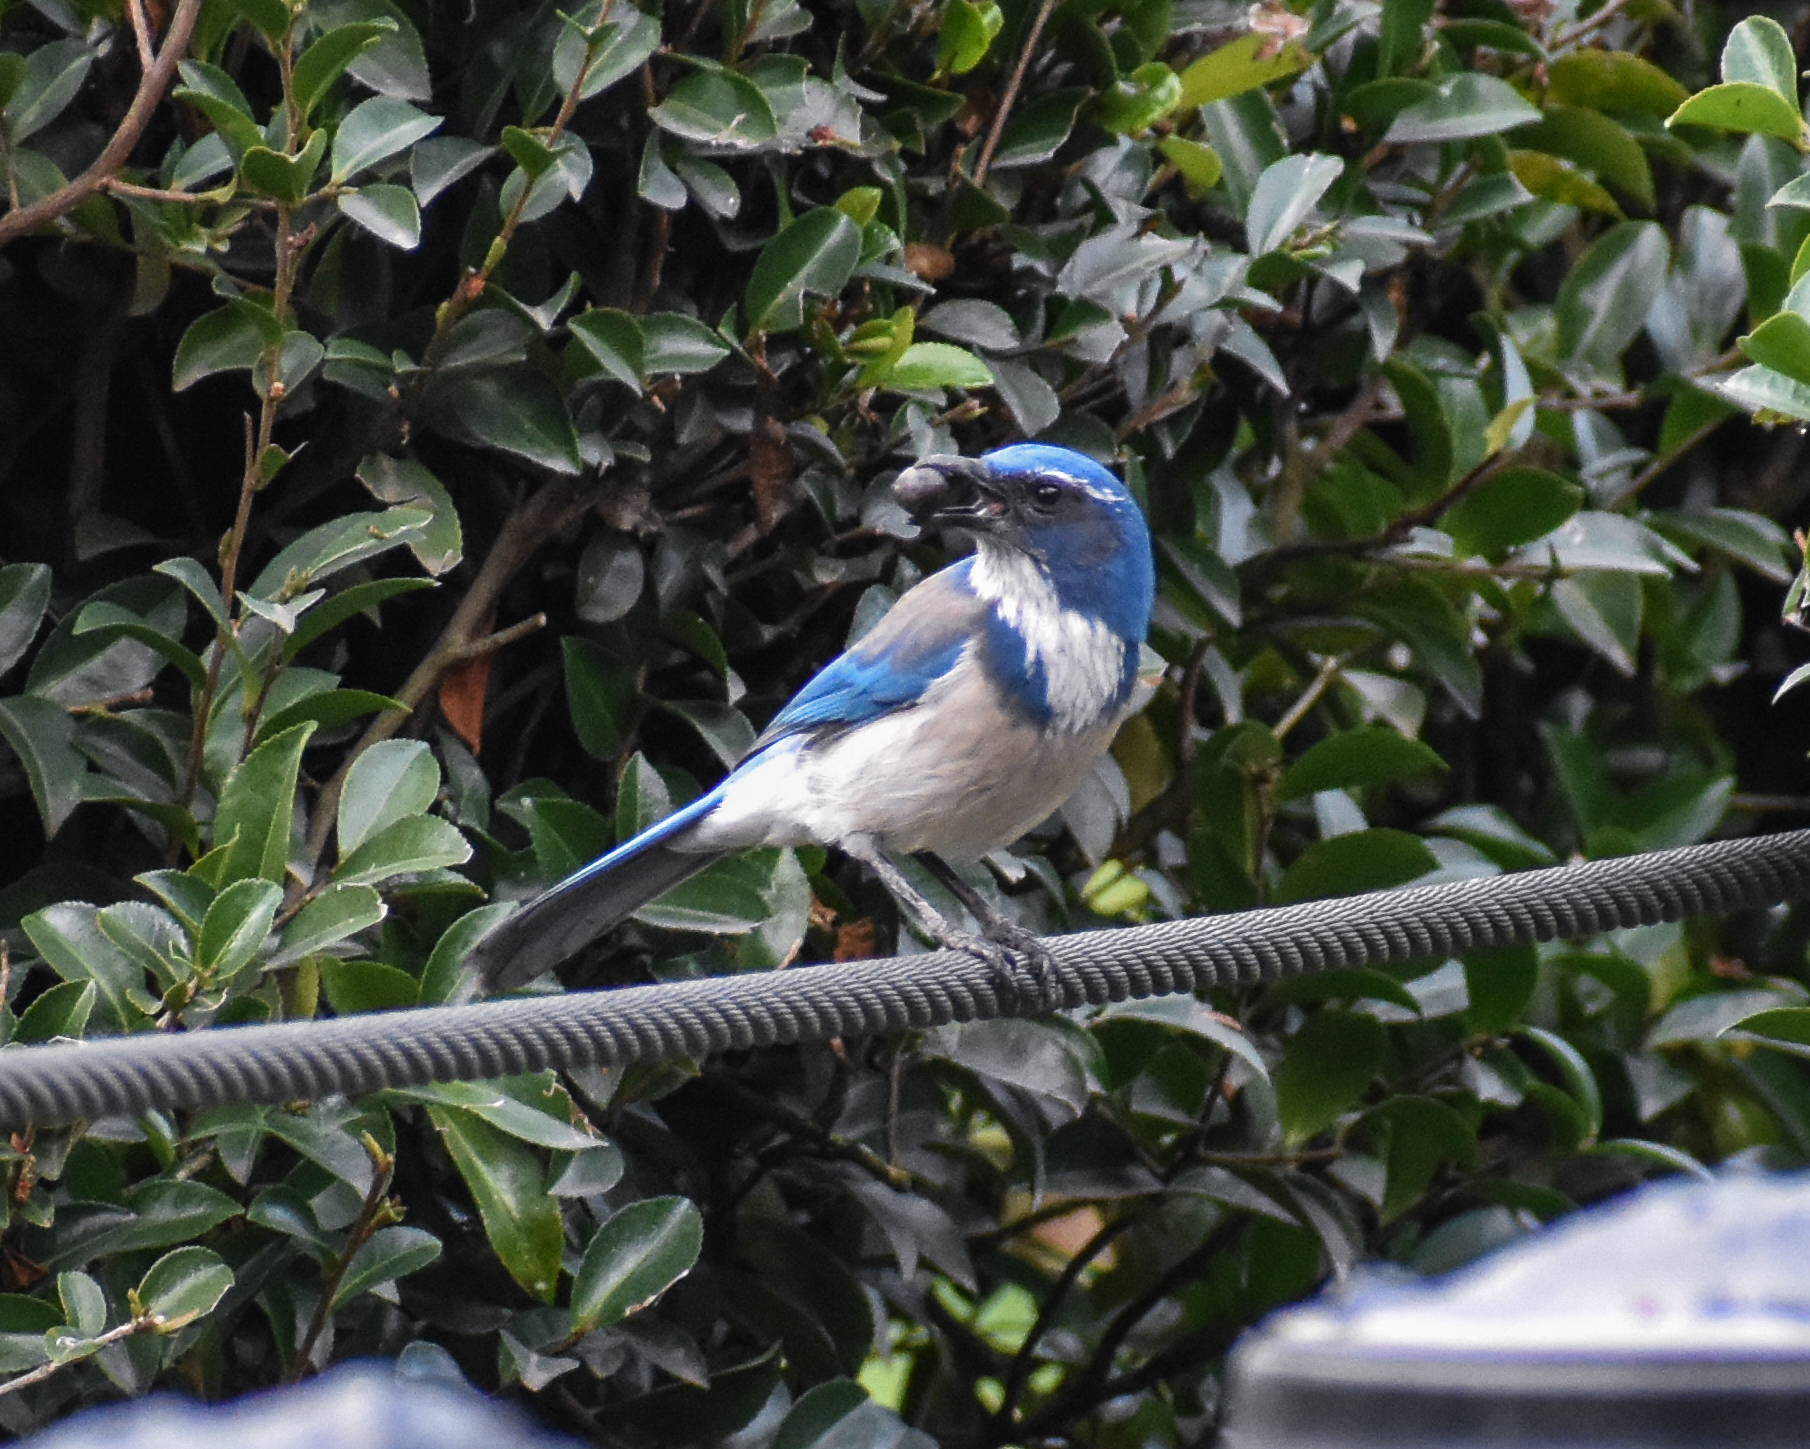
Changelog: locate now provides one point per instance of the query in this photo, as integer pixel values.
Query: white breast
(1083, 660)
(957, 773)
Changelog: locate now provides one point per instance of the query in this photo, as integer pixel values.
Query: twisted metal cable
(352, 1055)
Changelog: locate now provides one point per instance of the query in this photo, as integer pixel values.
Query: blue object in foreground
(1678, 1315)
(355, 1406)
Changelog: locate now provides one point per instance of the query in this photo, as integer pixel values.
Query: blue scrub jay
(961, 720)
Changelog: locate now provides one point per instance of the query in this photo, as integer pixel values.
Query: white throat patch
(1083, 660)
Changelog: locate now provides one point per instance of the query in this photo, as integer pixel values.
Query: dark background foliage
(534, 381)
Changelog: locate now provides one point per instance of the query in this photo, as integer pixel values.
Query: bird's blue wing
(916, 644)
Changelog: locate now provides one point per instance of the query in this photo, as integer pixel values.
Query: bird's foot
(1021, 963)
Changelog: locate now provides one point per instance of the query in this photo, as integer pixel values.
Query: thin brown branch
(374, 1213)
(1053, 1299)
(151, 89)
(1010, 97)
(128, 1329)
(543, 516)
(1329, 670)
(141, 32)
(471, 285)
(1085, 1390)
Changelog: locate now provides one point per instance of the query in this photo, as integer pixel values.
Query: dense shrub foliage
(435, 438)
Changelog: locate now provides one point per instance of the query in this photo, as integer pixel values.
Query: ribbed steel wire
(305, 1060)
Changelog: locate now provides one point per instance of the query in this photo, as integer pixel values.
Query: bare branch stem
(151, 89)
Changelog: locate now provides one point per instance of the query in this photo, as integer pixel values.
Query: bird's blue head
(1060, 508)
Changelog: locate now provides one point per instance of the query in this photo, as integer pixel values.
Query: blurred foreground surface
(1679, 1315)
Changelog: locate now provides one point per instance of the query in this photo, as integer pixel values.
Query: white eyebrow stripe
(1090, 489)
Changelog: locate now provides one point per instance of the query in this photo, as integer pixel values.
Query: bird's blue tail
(590, 901)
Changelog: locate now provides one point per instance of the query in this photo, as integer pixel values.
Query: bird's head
(1054, 505)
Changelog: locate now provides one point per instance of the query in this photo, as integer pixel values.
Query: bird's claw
(1021, 964)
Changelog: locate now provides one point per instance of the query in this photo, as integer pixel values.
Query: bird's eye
(1047, 495)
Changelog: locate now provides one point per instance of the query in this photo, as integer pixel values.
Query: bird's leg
(995, 923)
(938, 926)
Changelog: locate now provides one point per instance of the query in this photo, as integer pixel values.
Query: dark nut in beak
(947, 489)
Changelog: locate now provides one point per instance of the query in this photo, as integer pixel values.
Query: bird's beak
(947, 489)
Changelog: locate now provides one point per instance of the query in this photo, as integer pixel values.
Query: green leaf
(629, 38)
(1558, 181)
(390, 780)
(1763, 391)
(965, 35)
(1784, 1027)
(257, 806)
(1353, 759)
(1326, 1070)
(1038, 128)
(1593, 141)
(235, 927)
(217, 96)
(1284, 196)
(182, 1286)
(355, 599)
(42, 737)
(1759, 51)
(1745, 107)
(723, 727)
(1752, 538)
(442, 973)
(529, 152)
(1199, 164)
(718, 108)
(1364, 860)
(389, 213)
(1402, 35)
(636, 1255)
(233, 337)
(514, 409)
(109, 621)
(1782, 343)
(404, 482)
(52, 76)
(725, 899)
(676, 343)
(24, 598)
(1136, 102)
(63, 1010)
(601, 693)
(1422, 1134)
(1580, 1081)
(527, 1108)
(612, 340)
(815, 254)
(375, 130)
(1244, 64)
(282, 177)
(1510, 508)
(407, 846)
(355, 986)
(69, 938)
(436, 164)
(186, 896)
(1603, 609)
(1469, 105)
(1612, 80)
(1499, 984)
(328, 708)
(325, 61)
(388, 1254)
(506, 1183)
(337, 912)
(927, 366)
(1603, 302)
